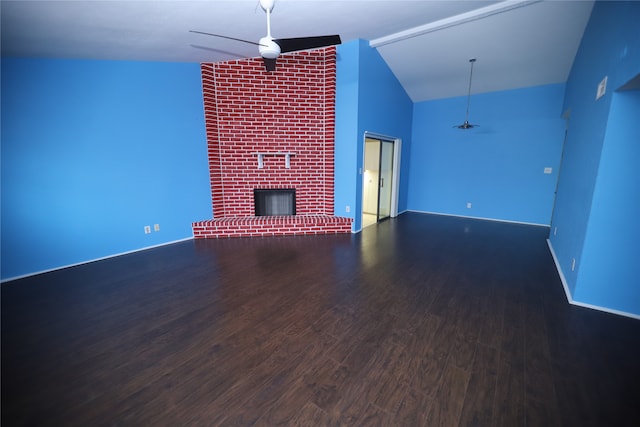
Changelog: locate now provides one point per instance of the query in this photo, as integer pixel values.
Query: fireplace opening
(275, 202)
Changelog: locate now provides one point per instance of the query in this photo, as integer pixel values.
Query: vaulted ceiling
(427, 44)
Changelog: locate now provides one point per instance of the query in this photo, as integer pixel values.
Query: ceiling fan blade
(304, 43)
(269, 64)
(225, 37)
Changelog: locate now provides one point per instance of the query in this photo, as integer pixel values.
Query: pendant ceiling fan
(271, 48)
(466, 124)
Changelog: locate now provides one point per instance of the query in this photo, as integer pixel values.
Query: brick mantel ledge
(255, 226)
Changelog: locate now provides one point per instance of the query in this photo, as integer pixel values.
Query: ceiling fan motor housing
(268, 48)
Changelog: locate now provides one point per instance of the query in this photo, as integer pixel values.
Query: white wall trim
(9, 279)
(563, 279)
(605, 309)
(397, 152)
(482, 218)
(395, 191)
(570, 299)
(463, 18)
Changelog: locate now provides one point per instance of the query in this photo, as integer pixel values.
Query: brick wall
(249, 111)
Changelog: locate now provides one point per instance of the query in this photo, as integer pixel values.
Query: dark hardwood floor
(421, 320)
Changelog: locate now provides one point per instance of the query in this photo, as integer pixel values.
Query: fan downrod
(466, 124)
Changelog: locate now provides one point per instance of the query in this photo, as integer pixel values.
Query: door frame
(397, 148)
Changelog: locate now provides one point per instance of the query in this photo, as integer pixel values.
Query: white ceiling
(528, 44)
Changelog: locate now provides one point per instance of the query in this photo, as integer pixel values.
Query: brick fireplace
(271, 131)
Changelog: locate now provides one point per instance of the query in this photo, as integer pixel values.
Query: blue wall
(92, 151)
(610, 272)
(369, 98)
(587, 230)
(497, 167)
(347, 137)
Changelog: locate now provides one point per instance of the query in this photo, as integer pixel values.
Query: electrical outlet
(147, 229)
(548, 170)
(347, 208)
(468, 205)
(156, 227)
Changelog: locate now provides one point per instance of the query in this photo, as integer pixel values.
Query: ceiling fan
(271, 48)
(466, 124)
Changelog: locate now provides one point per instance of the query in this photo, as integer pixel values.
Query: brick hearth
(271, 226)
(268, 131)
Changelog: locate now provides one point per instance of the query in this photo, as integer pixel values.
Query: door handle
(381, 182)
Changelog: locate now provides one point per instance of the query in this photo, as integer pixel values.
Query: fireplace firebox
(275, 202)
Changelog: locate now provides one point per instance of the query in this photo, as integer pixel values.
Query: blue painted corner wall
(346, 137)
(92, 151)
(499, 167)
(369, 98)
(609, 273)
(595, 220)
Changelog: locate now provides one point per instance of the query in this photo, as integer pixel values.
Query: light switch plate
(602, 88)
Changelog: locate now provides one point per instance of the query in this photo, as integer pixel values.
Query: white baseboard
(565, 284)
(482, 218)
(9, 279)
(570, 299)
(606, 310)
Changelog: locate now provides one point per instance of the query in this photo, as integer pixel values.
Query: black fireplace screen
(275, 202)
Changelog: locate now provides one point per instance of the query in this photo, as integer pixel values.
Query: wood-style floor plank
(446, 407)
(477, 409)
(422, 320)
